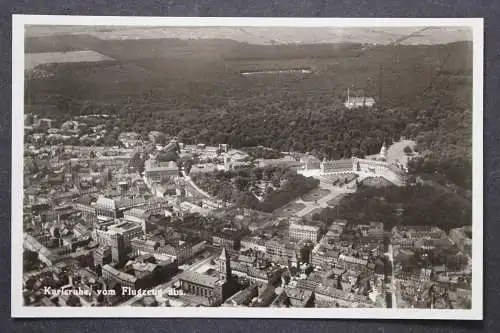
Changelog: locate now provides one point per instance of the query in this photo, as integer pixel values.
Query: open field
(289, 209)
(316, 194)
(33, 60)
(309, 215)
(333, 202)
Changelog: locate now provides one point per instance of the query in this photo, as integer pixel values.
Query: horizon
(429, 35)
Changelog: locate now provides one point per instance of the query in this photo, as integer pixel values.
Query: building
(102, 256)
(293, 297)
(310, 163)
(152, 269)
(130, 139)
(127, 229)
(327, 167)
(154, 206)
(45, 255)
(287, 161)
(212, 204)
(300, 231)
(463, 239)
(85, 204)
(156, 137)
(143, 246)
(183, 251)
(202, 285)
(158, 172)
(358, 102)
(351, 263)
(257, 273)
(115, 207)
(144, 272)
(341, 298)
(118, 254)
(80, 231)
(227, 239)
(215, 289)
(110, 273)
(254, 243)
(243, 297)
(278, 250)
(333, 234)
(390, 172)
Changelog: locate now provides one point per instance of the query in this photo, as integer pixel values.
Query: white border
(17, 308)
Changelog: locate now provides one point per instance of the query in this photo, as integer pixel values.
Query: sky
(267, 35)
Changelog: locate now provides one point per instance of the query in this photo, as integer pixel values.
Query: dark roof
(200, 279)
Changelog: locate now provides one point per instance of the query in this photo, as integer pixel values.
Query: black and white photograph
(238, 167)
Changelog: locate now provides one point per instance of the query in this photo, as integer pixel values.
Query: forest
(423, 92)
(264, 189)
(413, 206)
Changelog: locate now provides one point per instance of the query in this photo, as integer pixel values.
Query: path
(323, 201)
(390, 255)
(193, 185)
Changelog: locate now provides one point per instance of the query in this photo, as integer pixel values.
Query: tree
(407, 150)
(241, 183)
(167, 156)
(28, 119)
(137, 162)
(161, 139)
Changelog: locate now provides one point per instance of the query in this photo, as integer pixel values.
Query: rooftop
(201, 279)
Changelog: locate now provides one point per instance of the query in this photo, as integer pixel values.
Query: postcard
(247, 167)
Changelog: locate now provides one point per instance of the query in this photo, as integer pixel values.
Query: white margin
(20, 311)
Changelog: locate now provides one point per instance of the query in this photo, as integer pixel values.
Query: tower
(224, 265)
(117, 248)
(322, 166)
(383, 152)
(227, 160)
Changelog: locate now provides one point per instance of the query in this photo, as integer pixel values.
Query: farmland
(33, 60)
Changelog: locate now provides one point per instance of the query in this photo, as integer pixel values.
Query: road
(193, 185)
(389, 254)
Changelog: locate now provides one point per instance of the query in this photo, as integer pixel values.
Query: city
(124, 206)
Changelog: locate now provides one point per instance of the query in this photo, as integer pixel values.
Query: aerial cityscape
(247, 167)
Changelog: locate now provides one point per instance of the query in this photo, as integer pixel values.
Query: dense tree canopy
(415, 205)
(264, 189)
(424, 92)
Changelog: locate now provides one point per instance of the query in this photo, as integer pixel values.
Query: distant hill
(267, 35)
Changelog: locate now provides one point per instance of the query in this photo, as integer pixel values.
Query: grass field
(336, 200)
(316, 194)
(312, 212)
(289, 210)
(32, 60)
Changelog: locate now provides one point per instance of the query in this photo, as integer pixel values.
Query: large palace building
(376, 167)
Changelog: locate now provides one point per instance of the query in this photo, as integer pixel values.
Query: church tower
(224, 265)
(383, 153)
(322, 165)
(227, 161)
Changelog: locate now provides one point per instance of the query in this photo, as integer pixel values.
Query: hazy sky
(266, 35)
